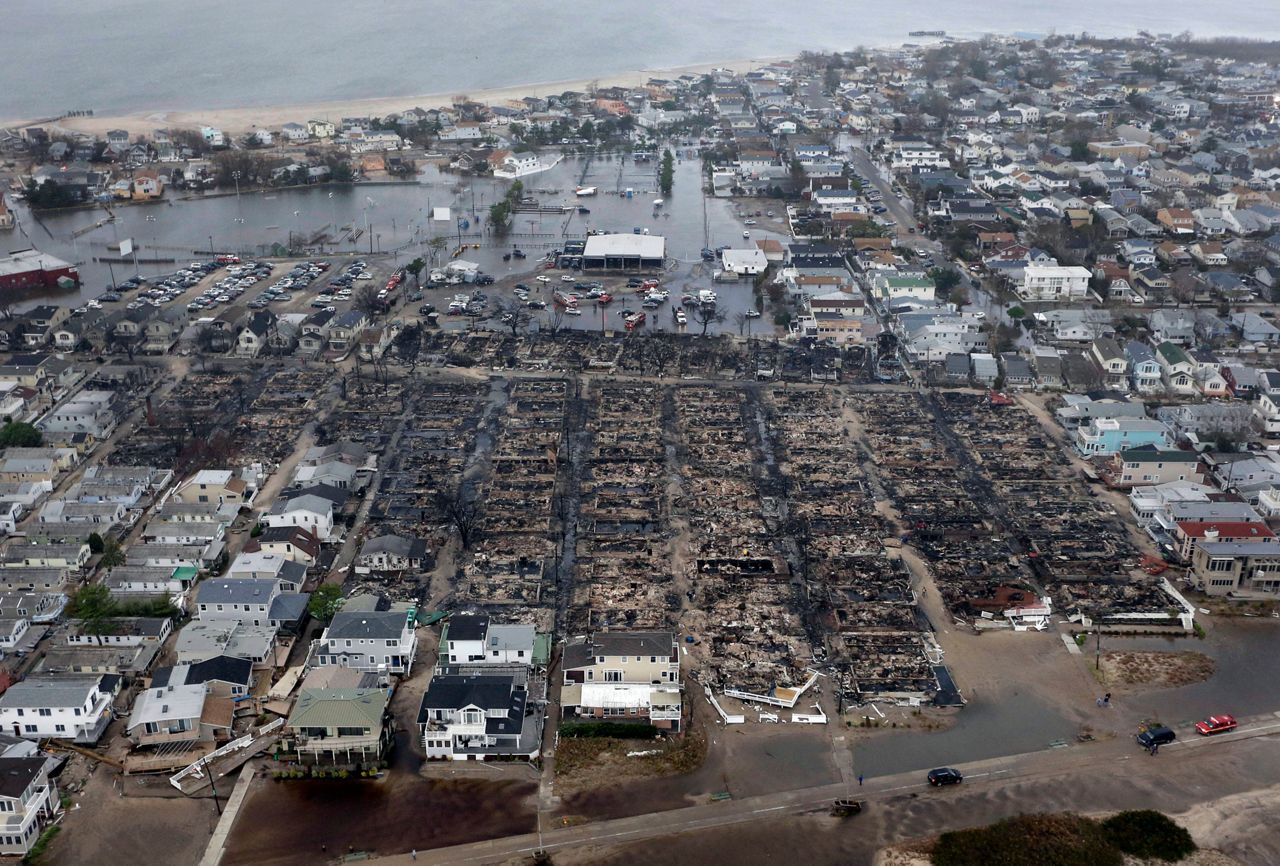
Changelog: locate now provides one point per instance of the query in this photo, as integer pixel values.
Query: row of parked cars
(239, 279)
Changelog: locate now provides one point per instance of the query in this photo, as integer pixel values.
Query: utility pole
(112, 271)
(213, 785)
(1097, 654)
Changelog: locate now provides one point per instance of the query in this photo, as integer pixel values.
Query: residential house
(340, 725)
(393, 553)
(1176, 368)
(310, 512)
(29, 802)
(640, 672)
(472, 639)
(1232, 568)
(1149, 466)
(254, 601)
(479, 716)
(75, 708)
(1110, 360)
(1144, 370)
(179, 714)
(223, 676)
(1103, 437)
(367, 640)
(294, 543)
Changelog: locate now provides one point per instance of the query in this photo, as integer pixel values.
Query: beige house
(623, 676)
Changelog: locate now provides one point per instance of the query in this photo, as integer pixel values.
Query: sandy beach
(237, 121)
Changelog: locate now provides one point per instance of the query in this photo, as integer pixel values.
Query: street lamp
(296, 229)
(239, 232)
(151, 220)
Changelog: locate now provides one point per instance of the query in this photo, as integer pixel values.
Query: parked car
(1155, 735)
(945, 776)
(1216, 725)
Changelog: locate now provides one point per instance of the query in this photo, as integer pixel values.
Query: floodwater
(395, 218)
(998, 725)
(148, 55)
(305, 821)
(1246, 681)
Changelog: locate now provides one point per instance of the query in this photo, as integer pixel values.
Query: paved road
(1113, 774)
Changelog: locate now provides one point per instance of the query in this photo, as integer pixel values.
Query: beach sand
(236, 121)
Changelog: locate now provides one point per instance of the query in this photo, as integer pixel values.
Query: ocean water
(116, 56)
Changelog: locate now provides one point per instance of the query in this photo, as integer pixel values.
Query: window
(613, 676)
(45, 712)
(30, 729)
(1221, 564)
(60, 728)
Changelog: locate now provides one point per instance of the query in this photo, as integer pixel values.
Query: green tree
(415, 269)
(93, 605)
(945, 279)
(19, 434)
(325, 601)
(112, 554)
(96, 545)
(667, 174)
(1079, 150)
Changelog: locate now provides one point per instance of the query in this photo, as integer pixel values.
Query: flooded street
(995, 725)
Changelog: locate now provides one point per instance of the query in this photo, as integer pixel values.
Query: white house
(308, 511)
(65, 708)
(471, 639)
(1054, 283)
(29, 801)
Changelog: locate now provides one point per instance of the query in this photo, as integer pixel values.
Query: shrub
(619, 730)
(1029, 840)
(1147, 833)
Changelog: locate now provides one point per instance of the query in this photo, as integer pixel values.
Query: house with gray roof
(393, 553)
(179, 714)
(251, 600)
(76, 708)
(368, 640)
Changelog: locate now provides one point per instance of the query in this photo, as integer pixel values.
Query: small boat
(585, 190)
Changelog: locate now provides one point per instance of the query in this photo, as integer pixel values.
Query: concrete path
(217, 844)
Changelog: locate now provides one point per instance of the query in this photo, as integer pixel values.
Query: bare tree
(555, 319)
(461, 513)
(705, 314)
(515, 316)
(435, 247)
(662, 352)
(408, 346)
(367, 301)
(741, 320)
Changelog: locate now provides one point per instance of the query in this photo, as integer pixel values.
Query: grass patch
(1149, 834)
(590, 762)
(36, 854)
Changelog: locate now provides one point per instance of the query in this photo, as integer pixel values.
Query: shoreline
(236, 121)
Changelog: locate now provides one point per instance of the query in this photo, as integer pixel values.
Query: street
(1093, 777)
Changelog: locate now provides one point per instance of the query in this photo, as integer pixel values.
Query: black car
(484, 280)
(945, 776)
(634, 283)
(426, 309)
(521, 287)
(1156, 735)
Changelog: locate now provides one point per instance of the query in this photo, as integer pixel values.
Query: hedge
(1148, 834)
(618, 730)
